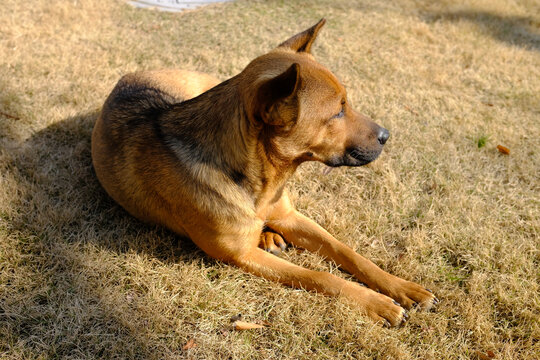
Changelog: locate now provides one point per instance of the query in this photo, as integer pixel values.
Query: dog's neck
(221, 136)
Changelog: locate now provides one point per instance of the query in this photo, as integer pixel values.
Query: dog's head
(303, 109)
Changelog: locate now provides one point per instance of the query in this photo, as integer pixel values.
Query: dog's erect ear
(277, 100)
(302, 42)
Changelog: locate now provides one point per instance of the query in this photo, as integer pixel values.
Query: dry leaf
(189, 345)
(242, 325)
(480, 355)
(503, 150)
(410, 110)
(487, 356)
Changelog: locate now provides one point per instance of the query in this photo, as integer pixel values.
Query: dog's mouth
(354, 157)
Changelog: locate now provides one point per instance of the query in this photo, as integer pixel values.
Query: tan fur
(210, 161)
(183, 84)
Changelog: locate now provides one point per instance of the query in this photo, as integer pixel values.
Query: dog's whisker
(327, 170)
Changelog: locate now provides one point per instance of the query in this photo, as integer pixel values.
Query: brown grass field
(81, 279)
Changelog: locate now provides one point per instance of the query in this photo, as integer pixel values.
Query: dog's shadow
(62, 214)
(68, 202)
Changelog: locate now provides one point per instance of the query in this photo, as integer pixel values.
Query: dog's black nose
(383, 136)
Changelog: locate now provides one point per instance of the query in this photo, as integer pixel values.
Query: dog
(210, 161)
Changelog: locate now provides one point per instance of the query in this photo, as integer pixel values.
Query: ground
(451, 80)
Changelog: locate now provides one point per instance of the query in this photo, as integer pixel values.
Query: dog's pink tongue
(327, 170)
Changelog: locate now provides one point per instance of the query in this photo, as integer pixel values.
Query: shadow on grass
(66, 194)
(522, 31)
(54, 306)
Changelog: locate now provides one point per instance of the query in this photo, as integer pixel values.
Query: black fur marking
(144, 97)
(140, 104)
(237, 176)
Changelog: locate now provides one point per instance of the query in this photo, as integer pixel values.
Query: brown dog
(210, 161)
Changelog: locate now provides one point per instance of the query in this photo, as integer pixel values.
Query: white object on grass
(172, 5)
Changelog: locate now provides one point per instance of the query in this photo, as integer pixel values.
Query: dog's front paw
(380, 308)
(410, 294)
(272, 242)
(387, 311)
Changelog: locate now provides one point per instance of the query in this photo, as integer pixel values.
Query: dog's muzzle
(354, 157)
(360, 155)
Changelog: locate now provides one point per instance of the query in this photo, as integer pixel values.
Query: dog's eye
(340, 114)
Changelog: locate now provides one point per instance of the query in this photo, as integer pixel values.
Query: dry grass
(79, 278)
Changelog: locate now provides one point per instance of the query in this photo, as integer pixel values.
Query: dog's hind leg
(272, 242)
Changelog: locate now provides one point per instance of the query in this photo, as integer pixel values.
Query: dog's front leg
(241, 249)
(379, 307)
(305, 233)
